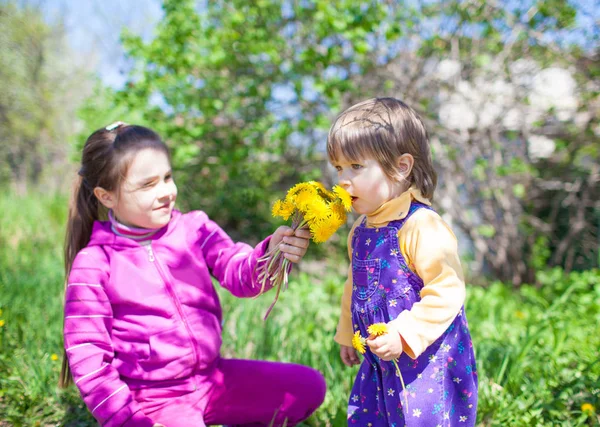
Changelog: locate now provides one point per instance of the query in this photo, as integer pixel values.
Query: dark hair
(107, 156)
(384, 129)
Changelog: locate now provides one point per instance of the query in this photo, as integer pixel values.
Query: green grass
(538, 349)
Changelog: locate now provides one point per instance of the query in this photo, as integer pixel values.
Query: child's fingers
(302, 233)
(354, 357)
(345, 357)
(375, 343)
(296, 241)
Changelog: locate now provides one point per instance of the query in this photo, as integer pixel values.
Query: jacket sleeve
(431, 250)
(345, 329)
(232, 264)
(87, 336)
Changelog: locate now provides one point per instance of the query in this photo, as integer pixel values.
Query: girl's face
(148, 193)
(367, 183)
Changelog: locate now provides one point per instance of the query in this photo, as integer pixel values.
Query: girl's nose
(343, 180)
(166, 189)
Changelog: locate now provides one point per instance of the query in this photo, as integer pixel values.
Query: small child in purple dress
(405, 272)
(142, 321)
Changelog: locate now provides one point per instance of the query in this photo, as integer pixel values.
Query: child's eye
(356, 166)
(338, 168)
(168, 177)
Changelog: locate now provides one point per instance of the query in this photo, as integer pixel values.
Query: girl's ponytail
(83, 211)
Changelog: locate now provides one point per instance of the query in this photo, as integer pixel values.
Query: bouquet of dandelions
(309, 205)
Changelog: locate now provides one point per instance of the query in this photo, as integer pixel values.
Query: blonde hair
(384, 129)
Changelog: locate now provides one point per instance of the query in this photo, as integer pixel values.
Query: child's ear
(107, 198)
(405, 164)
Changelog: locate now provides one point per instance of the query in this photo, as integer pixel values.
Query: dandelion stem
(402, 381)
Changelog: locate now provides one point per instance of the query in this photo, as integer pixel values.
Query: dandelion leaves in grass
(309, 205)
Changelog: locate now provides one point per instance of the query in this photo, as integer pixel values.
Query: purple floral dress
(441, 384)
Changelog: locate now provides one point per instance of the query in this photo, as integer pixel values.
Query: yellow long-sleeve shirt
(430, 249)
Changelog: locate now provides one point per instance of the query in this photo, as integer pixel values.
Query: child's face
(148, 193)
(367, 183)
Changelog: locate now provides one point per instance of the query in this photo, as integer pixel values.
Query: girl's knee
(313, 388)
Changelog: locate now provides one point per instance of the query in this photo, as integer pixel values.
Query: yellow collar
(396, 208)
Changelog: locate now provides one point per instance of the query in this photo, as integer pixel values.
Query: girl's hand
(386, 347)
(158, 425)
(349, 356)
(293, 246)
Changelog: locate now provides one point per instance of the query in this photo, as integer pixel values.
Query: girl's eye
(168, 177)
(356, 166)
(338, 168)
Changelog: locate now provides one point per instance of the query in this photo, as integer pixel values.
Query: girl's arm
(432, 252)
(232, 264)
(87, 331)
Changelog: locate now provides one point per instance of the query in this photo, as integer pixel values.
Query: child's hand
(349, 356)
(388, 346)
(293, 246)
(158, 425)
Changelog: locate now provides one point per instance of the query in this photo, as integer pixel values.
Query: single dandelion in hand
(359, 343)
(377, 330)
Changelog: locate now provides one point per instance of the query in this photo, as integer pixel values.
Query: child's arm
(233, 264)
(432, 252)
(87, 326)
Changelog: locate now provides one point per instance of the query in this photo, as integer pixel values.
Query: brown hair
(107, 155)
(384, 129)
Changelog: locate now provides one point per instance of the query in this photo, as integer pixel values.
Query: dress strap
(414, 206)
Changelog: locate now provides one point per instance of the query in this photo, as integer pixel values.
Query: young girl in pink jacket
(142, 323)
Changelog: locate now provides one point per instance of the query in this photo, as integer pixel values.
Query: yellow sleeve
(345, 330)
(431, 250)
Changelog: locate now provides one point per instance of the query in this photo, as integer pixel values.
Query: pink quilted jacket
(145, 314)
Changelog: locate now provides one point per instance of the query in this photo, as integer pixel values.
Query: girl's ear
(107, 198)
(405, 164)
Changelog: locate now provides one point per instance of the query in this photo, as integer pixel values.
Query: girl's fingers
(303, 233)
(296, 241)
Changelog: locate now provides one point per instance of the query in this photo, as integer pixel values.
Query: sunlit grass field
(538, 348)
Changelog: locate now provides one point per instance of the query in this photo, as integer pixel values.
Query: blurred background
(244, 93)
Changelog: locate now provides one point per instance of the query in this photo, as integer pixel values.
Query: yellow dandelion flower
(344, 196)
(588, 408)
(1, 322)
(322, 191)
(276, 208)
(304, 199)
(302, 186)
(54, 357)
(336, 220)
(318, 186)
(358, 342)
(316, 210)
(320, 231)
(378, 329)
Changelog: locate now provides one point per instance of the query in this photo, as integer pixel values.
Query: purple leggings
(239, 392)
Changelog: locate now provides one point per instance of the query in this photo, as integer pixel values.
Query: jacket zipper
(152, 258)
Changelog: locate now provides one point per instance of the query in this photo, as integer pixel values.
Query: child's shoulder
(194, 218)
(426, 220)
(91, 257)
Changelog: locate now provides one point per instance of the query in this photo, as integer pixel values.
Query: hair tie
(114, 125)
